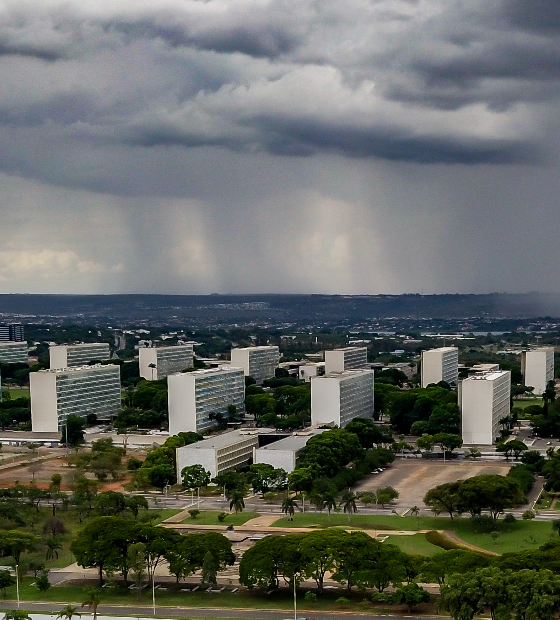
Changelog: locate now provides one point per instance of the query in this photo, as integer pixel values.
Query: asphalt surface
(200, 612)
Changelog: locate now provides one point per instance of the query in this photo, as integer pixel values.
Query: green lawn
(210, 517)
(18, 393)
(414, 545)
(526, 402)
(520, 535)
(164, 514)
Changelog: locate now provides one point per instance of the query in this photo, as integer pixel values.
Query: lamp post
(17, 584)
(295, 598)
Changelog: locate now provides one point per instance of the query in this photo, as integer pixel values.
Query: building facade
(439, 365)
(257, 362)
(341, 397)
(283, 454)
(537, 368)
(73, 355)
(11, 332)
(219, 453)
(484, 399)
(13, 352)
(348, 358)
(159, 362)
(193, 396)
(59, 393)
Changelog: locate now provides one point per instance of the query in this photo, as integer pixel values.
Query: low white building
(283, 454)
(439, 365)
(537, 368)
(219, 453)
(159, 362)
(306, 371)
(484, 399)
(14, 353)
(340, 397)
(59, 393)
(72, 355)
(193, 396)
(257, 362)
(347, 358)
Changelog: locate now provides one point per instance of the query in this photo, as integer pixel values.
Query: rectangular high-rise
(73, 355)
(159, 362)
(484, 400)
(341, 397)
(537, 368)
(14, 353)
(59, 393)
(193, 396)
(257, 362)
(348, 358)
(11, 332)
(439, 365)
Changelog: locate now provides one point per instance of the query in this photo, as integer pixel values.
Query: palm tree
(17, 614)
(93, 599)
(329, 500)
(348, 503)
(68, 612)
(53, 547)
(415, 511)
(153, 367)
(236, 501)
(317, 502)
(289, 506)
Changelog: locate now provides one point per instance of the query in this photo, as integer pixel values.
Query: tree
(42, 581)
(53, 547)
(440, 566)
(426, 442)
(73, 431)
(491, 492)
(6, 581)
(137, 565)
(368, 433)
(15, 542)
(473, 453)
(162, 475)
(68, 612)
(289, 505)
(54, 527)
(386, 495)
(448, 442)
(110, 503)
(514, 447)
(534, 595)
(348, 503)
(93, 599)
(415, 512)
(209, 572)
(318, 551)
(187, 555)
(329, 501)
(236, 500)
(263, 477)
(411, 595)
(136, 503)
(194, 477)
(444, 497)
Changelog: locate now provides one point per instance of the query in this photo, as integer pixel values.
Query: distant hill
(277, 308)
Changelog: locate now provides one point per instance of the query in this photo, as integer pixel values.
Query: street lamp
(17, 584)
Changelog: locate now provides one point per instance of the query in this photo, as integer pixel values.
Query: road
(215, 612)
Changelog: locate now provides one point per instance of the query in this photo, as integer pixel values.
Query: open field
(526, 402)
(210, 517)
(18, 393)
(514, 537)
(414, 477)
(414, 545)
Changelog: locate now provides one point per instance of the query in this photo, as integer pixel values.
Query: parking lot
(413, 477)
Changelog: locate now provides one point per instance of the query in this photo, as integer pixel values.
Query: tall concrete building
(348, 358)
(341, 397)
(11, 332)
(193, 396)
(57, 394)
(13, 353)
(257, 362)
(284, 454)
(537, 368)
(72, 355)
(219, 453)
(439, 365)
(484, 399)
(159, 362)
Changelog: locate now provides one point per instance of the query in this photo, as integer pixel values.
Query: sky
(286, 146)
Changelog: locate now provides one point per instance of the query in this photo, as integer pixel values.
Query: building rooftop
(345, 374)
(80, 344)
(264, 346)
(345, 349)
(75, 369)
(441, 349)
(208, 371)
(295, 442)
(228, 439)
(487, 376)
(13, 343)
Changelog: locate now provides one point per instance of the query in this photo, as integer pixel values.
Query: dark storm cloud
(542, 16)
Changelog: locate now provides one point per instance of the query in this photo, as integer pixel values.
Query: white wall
(334, 361)
(58, 356)
(146, 356)
(240, 359)
(187, 456)
(44, 416)
(181, 403)
(280, 459)
(534, 367)
(325, 400)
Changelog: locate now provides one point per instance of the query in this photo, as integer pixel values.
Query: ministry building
(439, 365)
(348, 358)
(72, 355)
(257, 362)
(160, 362)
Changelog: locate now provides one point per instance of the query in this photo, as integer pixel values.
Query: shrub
(42, 582)
(194, 512)
(222, 517)
(381, 597)
(483, 523)
(310, 596)
(342, 600)
(528, 515)
(510, 519)
(133, 464)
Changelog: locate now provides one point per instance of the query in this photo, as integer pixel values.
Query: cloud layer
(253, 145)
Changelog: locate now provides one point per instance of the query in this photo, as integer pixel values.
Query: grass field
(414, 545)
(210, 517)
(514, 537)
(526, 402)
(18, 393)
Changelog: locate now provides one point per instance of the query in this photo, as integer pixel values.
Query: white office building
(341, 397)
(59, 393)
(159, 362)
(257, 362)
(537, 368)
(283, 454)
(219, 453)
(348, 358)
(193, 396)
(306, 371)
(72, 355)
(14, 353)
(484, 399)
(439, 365)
